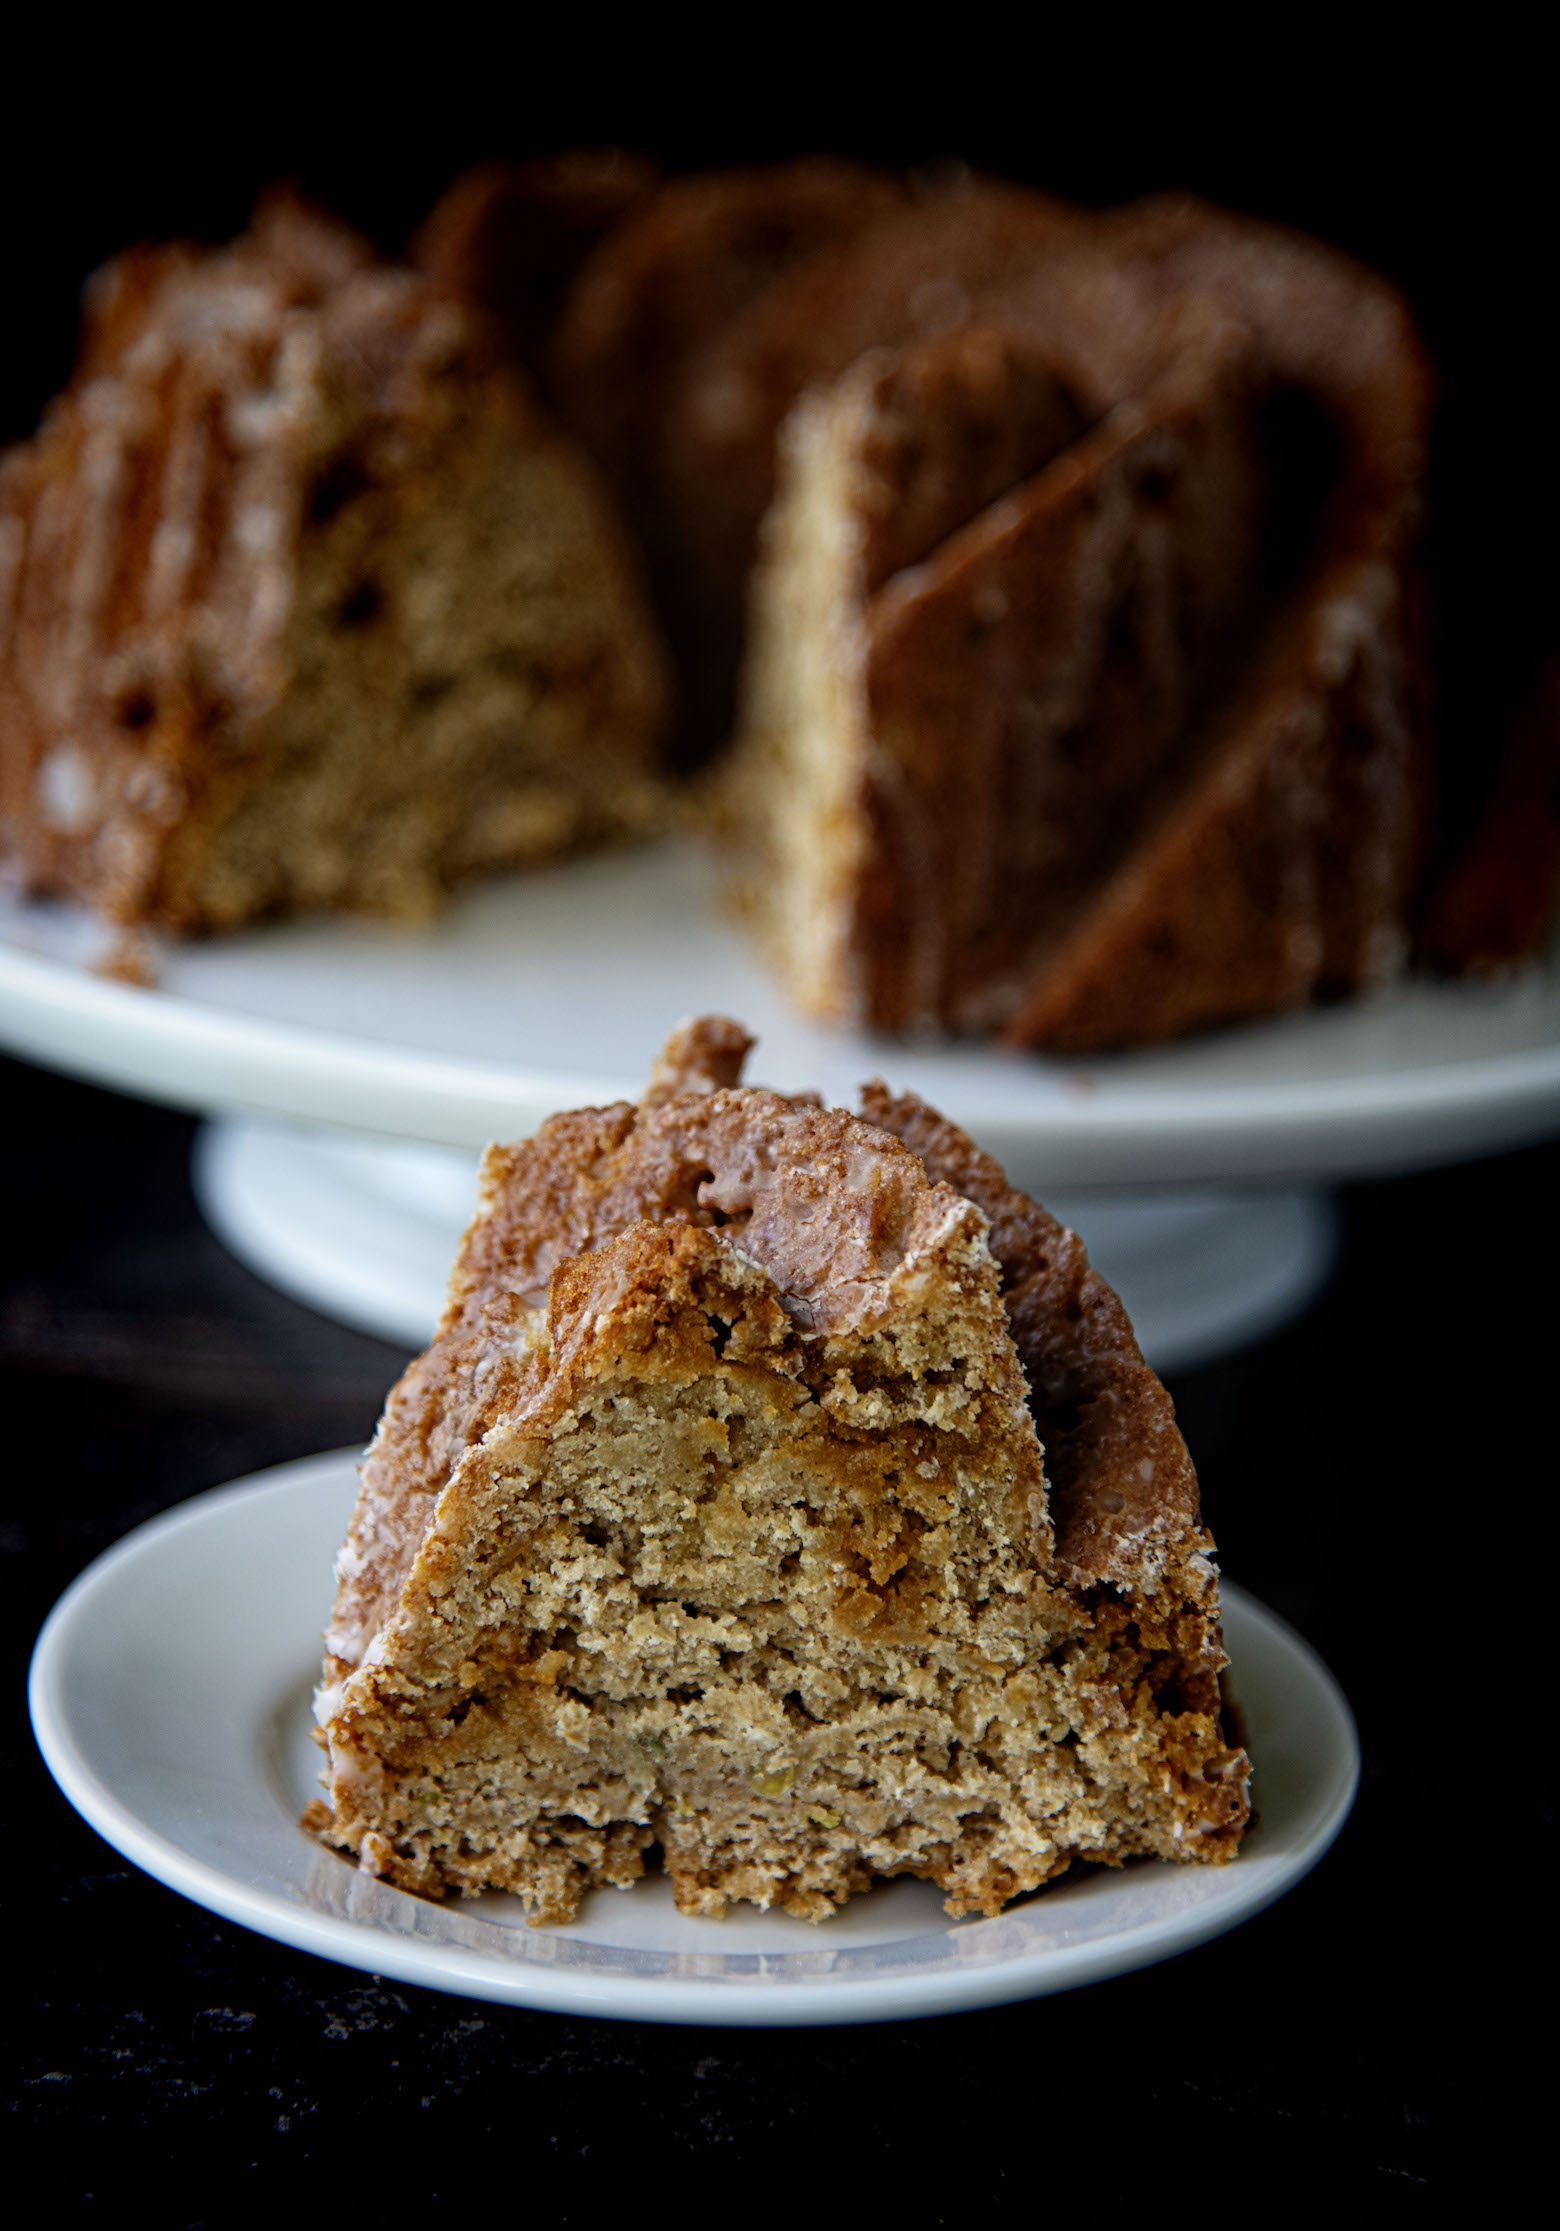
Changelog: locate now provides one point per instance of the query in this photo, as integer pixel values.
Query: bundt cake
(717, 1519)
(1084, 692)
(1134, 743)
(304, 603)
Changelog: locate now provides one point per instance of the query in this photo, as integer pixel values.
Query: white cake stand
(354, 1070)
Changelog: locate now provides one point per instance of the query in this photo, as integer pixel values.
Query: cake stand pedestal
(364, 1230)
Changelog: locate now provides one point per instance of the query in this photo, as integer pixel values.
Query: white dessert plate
(170, 1696)
(554, 990)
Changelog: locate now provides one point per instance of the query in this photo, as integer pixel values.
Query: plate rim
(709, 2001)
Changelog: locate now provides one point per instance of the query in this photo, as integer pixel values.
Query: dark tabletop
(1339, 1462)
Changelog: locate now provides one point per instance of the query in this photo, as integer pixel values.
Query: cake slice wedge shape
(716, 1520)
(304, 602)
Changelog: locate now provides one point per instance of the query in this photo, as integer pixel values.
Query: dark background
(1348, 1464)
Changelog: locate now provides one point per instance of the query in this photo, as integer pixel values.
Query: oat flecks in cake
(303, 603)
(716, 1519)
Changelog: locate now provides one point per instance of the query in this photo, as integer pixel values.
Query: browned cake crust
(715, 1518)
(512, 237)
(302, 603)
(916, 268)
(648, 301)
(1123, 1493)
(1139, 745)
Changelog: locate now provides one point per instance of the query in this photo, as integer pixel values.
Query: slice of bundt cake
(303, 603)
(716, 1519)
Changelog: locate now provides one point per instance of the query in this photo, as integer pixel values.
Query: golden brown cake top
(701, 1055)
(828, 1205)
